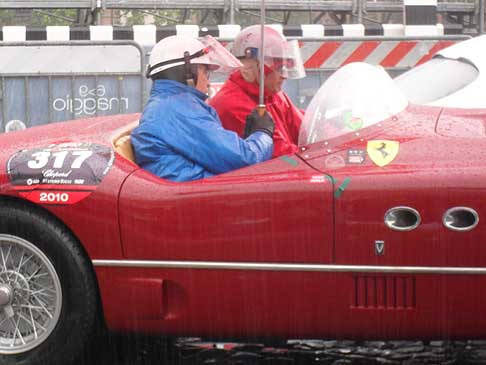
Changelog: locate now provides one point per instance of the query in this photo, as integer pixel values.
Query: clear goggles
(285, 60)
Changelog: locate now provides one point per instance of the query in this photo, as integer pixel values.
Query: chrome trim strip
(147, 264)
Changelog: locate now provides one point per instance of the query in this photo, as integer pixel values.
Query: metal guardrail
(271, 5)
(49, 4)
(48, 88)
(157, 4)
(59, 81)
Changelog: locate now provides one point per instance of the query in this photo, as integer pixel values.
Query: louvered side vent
(379, 292)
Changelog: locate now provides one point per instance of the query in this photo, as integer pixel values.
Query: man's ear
(200, 72)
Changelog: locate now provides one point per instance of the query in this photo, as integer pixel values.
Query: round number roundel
(60, 173)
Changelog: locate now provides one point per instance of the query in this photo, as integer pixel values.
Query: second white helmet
(279, 54)
(178, 50)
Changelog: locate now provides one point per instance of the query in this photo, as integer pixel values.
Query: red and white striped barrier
(387, 53)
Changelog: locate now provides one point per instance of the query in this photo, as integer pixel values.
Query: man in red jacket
(239, 95)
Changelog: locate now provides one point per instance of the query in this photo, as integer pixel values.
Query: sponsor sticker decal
(355, 156)
(353, 123)
(382, 152)
(334, 162)
(62, 173)
(318, 179)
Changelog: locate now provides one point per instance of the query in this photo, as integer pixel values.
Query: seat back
(122, 144)
(124, 147)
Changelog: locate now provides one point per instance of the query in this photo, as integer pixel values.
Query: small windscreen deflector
(356, 96)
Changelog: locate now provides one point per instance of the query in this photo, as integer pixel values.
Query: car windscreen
(356, 96)
(436, 79)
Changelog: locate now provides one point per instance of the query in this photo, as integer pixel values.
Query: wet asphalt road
(116, 349)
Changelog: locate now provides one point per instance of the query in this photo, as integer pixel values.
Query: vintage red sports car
(371, 231)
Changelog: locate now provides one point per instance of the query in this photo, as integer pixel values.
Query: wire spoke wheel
(49, 304)
(30, 295)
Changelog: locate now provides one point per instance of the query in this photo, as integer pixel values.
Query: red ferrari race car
(371, 231)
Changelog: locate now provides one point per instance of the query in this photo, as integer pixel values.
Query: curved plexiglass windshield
(354, 97)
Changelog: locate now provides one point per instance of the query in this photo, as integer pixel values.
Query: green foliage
(38, 17)
(160, 17)
(54, 17)
(166, 15)
(44, 17)
(6, 17)
(133, 17)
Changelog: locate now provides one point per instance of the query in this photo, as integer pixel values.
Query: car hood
(416, 121)
(428, 137)
(462, 123)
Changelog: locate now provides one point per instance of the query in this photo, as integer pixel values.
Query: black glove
(257, 123)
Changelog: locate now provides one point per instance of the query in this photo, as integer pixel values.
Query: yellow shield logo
(382, 152)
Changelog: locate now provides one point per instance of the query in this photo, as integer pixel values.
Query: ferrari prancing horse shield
(382, 152)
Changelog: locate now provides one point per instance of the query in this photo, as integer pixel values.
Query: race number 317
(42, 158)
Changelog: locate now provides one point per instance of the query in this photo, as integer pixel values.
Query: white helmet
(177, 50)
(279, 54)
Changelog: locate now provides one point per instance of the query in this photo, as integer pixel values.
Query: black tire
(23, 225)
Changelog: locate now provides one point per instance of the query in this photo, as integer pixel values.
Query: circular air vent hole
(402, 218)
(461, 219)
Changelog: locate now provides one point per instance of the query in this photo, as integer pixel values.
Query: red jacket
(237, 98)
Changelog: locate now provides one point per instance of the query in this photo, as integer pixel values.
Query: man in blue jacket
(180, 137)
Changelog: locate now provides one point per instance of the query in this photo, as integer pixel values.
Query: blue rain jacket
(181, 138)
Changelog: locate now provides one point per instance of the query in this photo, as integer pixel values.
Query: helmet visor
(286, 60)
(218, 58)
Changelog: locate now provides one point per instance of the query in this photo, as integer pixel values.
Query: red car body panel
(246, 304)
(304, 210)
(94, 220)
(431, 174)
(271, 212)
